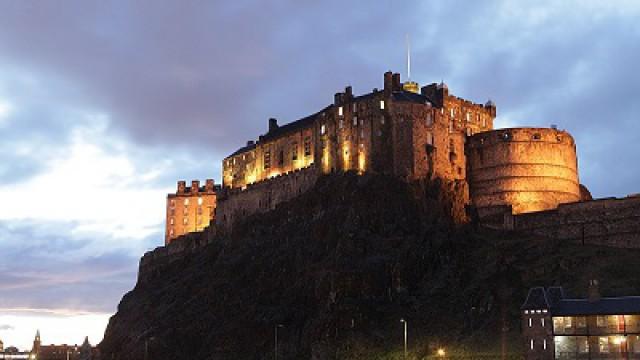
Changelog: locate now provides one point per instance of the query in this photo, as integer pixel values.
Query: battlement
(183, 190)
(524, 134)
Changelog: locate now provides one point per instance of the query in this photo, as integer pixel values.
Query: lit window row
(543, 311)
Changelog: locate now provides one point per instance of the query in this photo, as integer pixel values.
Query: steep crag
(338, 267)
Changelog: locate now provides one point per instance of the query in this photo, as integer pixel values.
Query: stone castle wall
(531, 169)
(610, 222)
(263, 196)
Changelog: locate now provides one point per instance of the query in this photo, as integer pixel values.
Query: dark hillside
(339, 267)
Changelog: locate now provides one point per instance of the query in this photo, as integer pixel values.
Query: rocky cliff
(335, 270)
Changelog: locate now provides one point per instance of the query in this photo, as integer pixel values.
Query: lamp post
(146, 347)
(275, 350)
(405, 336)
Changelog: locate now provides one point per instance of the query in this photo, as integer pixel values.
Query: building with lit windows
(557, 327)
(190, 209)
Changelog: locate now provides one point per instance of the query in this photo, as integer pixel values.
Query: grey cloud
(6, 327)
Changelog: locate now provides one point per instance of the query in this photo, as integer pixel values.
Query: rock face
(339, 267)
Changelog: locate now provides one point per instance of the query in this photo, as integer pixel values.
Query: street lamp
(276, 340)
(405, 336)
(146, 347)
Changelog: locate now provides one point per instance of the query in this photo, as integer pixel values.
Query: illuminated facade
(406, 131)
(62, 352)
(190, 209)
(555, 327)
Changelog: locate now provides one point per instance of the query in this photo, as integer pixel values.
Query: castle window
(484, 121)
(379, 133)
(603, 344)
(173, 203)
(185, 211)
(171, 221)
(185, 221)
(581, 322)
(601, 321)
(506, 136)
(429, 120)
(171, 232)
(200, 221)
(199, 201)
(544, 344)
(537, 136)
(355, 121)
(430, 138)
(531, 344)
(469, 132)
(453, 112)
(307, 146)
(362, 134)
(172, 211)
(199, 210)
(355, 107)
(281, 158)
(381, 104)
(341, 124)
(294, 151)
(340, 111)
(323, 129)
(542, 322)
(468, 117)
(267, 159)
(450, 127)
(382, 120)
(530, 322)
(186, 202)
(583, 345)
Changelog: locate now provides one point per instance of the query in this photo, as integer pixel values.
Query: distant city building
(557, 327)
(190, 209)
(62, 352)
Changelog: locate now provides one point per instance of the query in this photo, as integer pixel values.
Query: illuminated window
(542, 322)
(530, 323)
(199, 201)
(340, 111)
(531, 344)
(382, 120)
(355, 121)
(526, 311)
(453, 112)
(603, 344)
(468, 117)
(267, 159)
(581, 322)
(381, 104)
(601, 321)
(173, 203)
(567, 322)
(294, 151)
(544, 311)
(469, 132)
(185, 221)
(340, 124)
(323, 129)
(429, 120)
(362, 134)
(186, 202)
(544, 344)
(307, 146)
(354, 107)
(171, 232)
(171, 221)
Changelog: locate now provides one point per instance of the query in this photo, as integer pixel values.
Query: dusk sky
(104, 105)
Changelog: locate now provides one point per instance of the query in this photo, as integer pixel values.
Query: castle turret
(181, 186)
(273, 124)
(195, 186)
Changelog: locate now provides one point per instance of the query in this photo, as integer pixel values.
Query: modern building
(557, 327)
(190, 209)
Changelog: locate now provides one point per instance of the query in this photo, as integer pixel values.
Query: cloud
(4, 327)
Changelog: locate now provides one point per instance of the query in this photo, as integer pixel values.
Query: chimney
(181, 185)
(273, 124)
(250, 143)
(388, 82)
(195, 186)
(395, 81)
(209, 185)
(348, 92)
(594, 291)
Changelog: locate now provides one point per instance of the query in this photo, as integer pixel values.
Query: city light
(441, 352)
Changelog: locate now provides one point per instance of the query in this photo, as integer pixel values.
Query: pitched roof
(554, 299)
(536, 299)
(605, 306)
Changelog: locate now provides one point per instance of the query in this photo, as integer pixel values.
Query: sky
(105, 105)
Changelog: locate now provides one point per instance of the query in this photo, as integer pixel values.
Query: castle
(402, 130)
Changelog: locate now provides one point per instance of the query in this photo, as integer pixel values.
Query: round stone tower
(530, 169)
